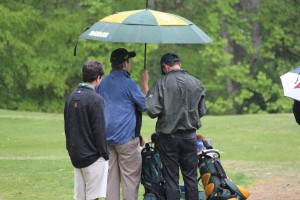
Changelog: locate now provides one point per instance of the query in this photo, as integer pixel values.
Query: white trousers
(91, 182)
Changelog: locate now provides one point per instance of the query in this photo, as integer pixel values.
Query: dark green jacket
(178, 101)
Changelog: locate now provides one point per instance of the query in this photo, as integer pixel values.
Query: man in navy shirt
(123, 100)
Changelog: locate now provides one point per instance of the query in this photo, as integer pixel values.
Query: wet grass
(34, 163)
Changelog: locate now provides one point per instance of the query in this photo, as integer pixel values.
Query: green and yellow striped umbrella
(146, 26)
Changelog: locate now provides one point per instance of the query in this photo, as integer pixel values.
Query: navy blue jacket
(85, 127)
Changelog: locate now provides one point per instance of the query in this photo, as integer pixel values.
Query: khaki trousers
(125, 165)
(91, 182)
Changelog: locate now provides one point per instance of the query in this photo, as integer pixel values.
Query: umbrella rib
(297, 78)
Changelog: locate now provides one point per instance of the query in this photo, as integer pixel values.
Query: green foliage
(253, 44)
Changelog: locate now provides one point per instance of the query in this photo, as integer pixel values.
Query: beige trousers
(125, 165)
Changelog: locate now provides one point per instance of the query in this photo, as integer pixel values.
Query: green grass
(264, 137)
(34, 163)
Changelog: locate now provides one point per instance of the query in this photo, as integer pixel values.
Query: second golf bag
(151, 178)
(216, 184)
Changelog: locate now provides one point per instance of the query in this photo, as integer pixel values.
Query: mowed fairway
(34, 163)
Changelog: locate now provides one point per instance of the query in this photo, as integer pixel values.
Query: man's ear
(124, 65)
(162, 69)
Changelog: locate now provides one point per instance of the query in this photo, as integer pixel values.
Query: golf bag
(216, 184)
(151, 177)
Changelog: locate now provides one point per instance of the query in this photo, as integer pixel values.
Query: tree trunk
(253, 7)
(240, 53)
(151, 4)
(231, 85)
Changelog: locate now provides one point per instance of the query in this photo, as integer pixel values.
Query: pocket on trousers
(134, 143)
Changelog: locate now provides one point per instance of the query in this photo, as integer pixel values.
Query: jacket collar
(120, 72)
(177, 71)
(86, 85)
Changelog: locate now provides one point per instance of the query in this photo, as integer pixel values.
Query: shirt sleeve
(138, 97)
(153, 103)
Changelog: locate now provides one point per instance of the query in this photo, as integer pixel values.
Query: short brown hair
(91, 70)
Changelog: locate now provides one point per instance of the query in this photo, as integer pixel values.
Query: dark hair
(169, 59)
(91, 70)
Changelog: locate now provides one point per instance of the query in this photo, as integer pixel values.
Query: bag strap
(234, 188)
(220, 169)
(154, 187)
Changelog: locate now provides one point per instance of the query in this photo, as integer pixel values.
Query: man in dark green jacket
(178, 102)
(86, 136)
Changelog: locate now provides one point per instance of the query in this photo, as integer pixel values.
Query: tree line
(254, 42)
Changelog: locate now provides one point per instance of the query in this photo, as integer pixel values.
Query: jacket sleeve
(99, 132)
(153, 102)
(202, 105)
(138, 97)
(296, 110)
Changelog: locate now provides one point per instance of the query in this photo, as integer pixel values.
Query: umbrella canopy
(291, 83)
(146, 26)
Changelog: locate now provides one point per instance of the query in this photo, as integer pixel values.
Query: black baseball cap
(169, 59)
(119, 55)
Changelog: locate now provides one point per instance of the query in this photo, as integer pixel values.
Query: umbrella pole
(146, 4)
(145, 55)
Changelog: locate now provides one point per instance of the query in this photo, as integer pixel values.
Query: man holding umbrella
(178, 101)
(124, 102)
